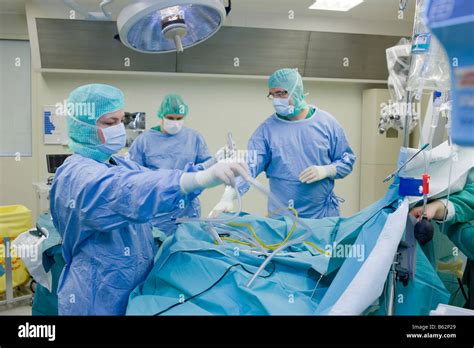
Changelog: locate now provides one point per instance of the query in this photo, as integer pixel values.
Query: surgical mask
(283, 108)
(115, 139)
(172, 127)
(282, 105)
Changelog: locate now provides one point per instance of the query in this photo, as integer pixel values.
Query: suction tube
(277, 202)
(217, 220)
(297, 220)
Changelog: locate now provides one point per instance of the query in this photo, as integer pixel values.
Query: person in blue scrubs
(103, 205)
(170, 145)
(302, 150)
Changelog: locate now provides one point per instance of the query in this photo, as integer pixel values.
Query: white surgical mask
(282, 106)
(172, 127)
(115, 139)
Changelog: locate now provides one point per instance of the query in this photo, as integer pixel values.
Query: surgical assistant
(170, 145)
(102, 206)
(301, 148)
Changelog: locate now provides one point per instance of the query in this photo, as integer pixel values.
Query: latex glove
(226, 204)
(218, 174)
(434, 210)
(222, 154)
(317, 173)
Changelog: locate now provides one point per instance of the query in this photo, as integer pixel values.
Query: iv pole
(396, 271)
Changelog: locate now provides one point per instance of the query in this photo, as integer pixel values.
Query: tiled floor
(22, 309)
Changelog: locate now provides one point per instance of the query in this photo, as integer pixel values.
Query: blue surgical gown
(283, 149)
(156, 150)
(103, 213)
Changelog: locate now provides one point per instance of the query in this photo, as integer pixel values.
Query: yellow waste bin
(14, 219)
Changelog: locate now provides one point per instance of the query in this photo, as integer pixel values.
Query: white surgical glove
(220, 173)
(317, 173)
(226, 204)
(222, 154)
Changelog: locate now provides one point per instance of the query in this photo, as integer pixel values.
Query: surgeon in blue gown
(302, 150)
(170, 145)
(103, 205)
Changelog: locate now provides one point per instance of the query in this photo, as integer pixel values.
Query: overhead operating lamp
(161, 26)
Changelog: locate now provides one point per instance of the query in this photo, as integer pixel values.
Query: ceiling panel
(90, 45)
(354, 56)
(246, 51)
(81, 44)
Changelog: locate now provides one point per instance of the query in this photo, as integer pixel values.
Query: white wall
(13, 26)
(217, 105)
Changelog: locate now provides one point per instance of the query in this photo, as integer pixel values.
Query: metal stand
(403, 266)
(9, 277)
(392, 286)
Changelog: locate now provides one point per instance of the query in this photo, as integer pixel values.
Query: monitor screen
(54, 161)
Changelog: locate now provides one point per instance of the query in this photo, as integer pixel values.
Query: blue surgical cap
(86, 104)
(173, 104)
(291, 81)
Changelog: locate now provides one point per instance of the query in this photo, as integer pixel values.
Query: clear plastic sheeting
(429, 64)
(398, 63)
(28, 246)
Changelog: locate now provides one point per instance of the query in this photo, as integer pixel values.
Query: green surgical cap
(85, 105)
(291, 81)
(172, 104)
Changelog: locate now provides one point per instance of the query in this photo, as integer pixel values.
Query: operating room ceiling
(370, 27)
(272, 13)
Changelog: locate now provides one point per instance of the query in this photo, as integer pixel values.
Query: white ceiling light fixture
(335, 5)
(161, 26)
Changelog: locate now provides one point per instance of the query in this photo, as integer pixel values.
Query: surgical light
(161, 26)
(335, 5)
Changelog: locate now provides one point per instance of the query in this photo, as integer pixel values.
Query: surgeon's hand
(317, 173)
(226, 204)
(218, 174)
(224, 153)
(222, 173)
(434, 210)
